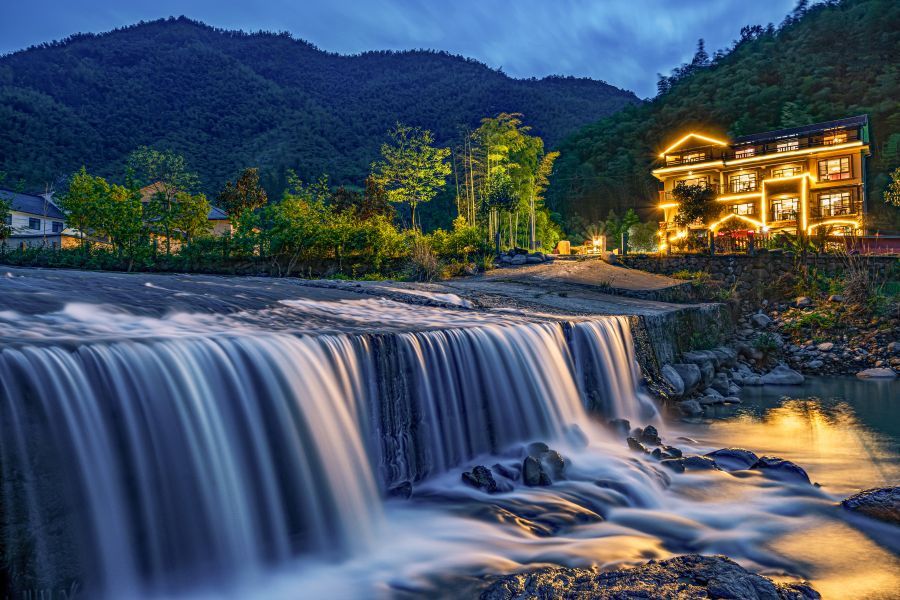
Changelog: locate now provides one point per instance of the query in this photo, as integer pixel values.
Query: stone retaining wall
(751, 272)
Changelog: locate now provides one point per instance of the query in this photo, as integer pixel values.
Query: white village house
(35, 221)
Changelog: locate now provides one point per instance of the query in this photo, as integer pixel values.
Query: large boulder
(760, 320)
(782, 375)
(720, 383)
(733, 459)
(781, 469)
(671, 376)
(879, 503)
(682, 577)
(518, 259)
(690, 375)
(690, 408)
(877, 373)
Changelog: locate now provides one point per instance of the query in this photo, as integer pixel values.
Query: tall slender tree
(412, 170)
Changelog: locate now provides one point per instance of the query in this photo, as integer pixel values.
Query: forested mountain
(827, 61)
(227, 100)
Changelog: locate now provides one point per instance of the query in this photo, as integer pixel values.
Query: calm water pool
(846, 433)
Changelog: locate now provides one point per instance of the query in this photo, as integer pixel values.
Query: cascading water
(163, 464)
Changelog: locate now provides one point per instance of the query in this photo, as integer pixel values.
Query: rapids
(252, 454)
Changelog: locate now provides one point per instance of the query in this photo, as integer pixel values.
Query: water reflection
(845, 433)
(840, 429)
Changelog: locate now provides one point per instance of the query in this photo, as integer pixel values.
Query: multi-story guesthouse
(795, 180)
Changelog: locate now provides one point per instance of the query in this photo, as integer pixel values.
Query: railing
(785, 215)
(670, 196)
(817, 141)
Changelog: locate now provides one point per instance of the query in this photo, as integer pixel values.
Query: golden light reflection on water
(828, 441)
(848, 565)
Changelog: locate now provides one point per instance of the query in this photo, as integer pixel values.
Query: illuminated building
(791, 180)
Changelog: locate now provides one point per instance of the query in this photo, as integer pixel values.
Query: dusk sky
(625, 42)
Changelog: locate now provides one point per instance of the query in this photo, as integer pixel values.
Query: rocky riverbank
(683, 577)
(820, 337)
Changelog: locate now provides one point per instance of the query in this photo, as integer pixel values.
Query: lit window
(743, 182)
(701, 180)
(834, 169)
(743, 209)
(786, 171)
(34, 224)
(745, 152)
(689, 157)
(838, 137)
(787, 145)
(834, 204)
(785, 209)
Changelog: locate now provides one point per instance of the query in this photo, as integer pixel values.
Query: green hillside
(832, 60)
(227, 100)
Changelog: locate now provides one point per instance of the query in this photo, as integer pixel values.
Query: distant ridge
(230, 99)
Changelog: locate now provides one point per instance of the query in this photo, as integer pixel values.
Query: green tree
(119, 217)
(191, 215)
(82, 202)
(169, 175)
(892, 193)
(412, 170)
(243, 196)
(696, 203)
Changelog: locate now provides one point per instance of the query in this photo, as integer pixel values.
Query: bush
(423, 264)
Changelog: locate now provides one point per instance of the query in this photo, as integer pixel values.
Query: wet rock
(720, 383)
(781, 469)
(707, 372)
(760, 320)
(879, 503)
(710, 391)
(672, 451)
(733, 390)
(753, 380)
(401, 490)
(684, 577)
(710, 400)
(536, 449)
(636, 446)
(674, 464)
(671, 376)
(518, 259)
(690, 463)
(690, 375)
(481, 478)
(733, 459)
(836, 298)
(802, 301)
(650, 436)
(731, 400)
(782, 375)
(533, 473)
(814, 364)
(825, 347)
(620, 425)
(877, 373)
(553, 463)
(690, 408)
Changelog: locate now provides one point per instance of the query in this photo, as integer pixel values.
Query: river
(251, 448)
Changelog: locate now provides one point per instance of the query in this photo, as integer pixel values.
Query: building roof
(31, 204)
(758, 138)
(216, 214)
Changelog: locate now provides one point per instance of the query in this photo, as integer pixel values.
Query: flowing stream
(246, 456)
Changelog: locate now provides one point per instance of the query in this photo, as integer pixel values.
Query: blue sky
(625, 42)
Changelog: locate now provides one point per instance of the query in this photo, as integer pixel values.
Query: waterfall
(158, 464)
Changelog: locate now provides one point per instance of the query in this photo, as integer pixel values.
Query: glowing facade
(792, 180)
